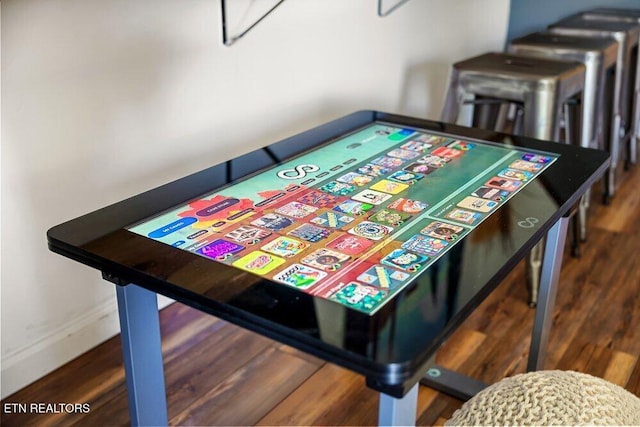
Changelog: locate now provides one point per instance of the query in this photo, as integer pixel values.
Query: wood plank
(620, 368)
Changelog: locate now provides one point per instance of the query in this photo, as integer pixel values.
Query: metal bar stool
(627, 36)
(599, 58)
(544, 88)
(631, 16)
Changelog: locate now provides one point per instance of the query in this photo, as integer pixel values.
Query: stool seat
(550, 398)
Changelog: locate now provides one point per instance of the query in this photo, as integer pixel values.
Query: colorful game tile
(299, 276)
(510, 185)
(477, 204)
(489, 193)
(408, 205)
(443, 230)
(405, 177)
(389, 163)
(285, 246)
(310, 233)
(248, 235)
(535, 158)
(373, 170)
(359, 296)
(387, 187)
(318, 199)
(355, 179)
(391, 218)
(332, 219)
(405, 260)
(220, 249)
(462, 145)
(350, 244)
(464, 216)
(258, 262)
(418, 146)
(337, 188)
(353, 207)
(403, 154)
(526, 166)
(420, 168)
(383, 277)
(296, 210)
(434, 161)
(371, 230)
(325, 259)
(447, 152)
(373, 197)
(424, 245)
(515, 174)
(431, 139)
(272, 221)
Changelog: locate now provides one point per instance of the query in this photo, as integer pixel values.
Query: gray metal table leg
(398, 412)
(142, 352)
(547, 296)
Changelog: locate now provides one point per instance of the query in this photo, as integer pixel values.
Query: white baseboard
(35, 360)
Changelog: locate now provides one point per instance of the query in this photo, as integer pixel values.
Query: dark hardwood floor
(219, 374)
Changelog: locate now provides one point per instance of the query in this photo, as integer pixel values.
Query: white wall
(105, 99)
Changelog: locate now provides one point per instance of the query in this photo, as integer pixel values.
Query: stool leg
(572, 137)
(453, 99)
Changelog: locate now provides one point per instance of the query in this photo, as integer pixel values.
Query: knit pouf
(550, 398)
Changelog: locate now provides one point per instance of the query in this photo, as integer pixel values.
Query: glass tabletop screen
(357, 219)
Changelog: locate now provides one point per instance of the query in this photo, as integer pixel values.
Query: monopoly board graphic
(357, 219)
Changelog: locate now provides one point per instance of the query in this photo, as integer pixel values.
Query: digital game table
(365, 242)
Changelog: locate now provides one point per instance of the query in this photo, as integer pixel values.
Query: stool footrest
(452, 383)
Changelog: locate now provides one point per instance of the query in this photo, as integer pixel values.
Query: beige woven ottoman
(550, 398)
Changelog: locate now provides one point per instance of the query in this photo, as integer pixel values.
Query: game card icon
(300, 276)
(310, 232)
(285, 246)
(372, 197)
(425, 245)
(419, 168)
(318, 199)
(447, 152)
(296, 210)
(504, 184)
(403, 154)
(220, 249)
(373, 170)
(355, 179)
(353, 207)
(325, 259)
(408, 205)
(434, 161)
(383, 277)
(258, 262)
(405, 177)
(443, 230)
(359, 296)
(405, 260)
(337, 188)
(391, 218)
(464, 216)
(388, 162)
(332, 219)
(462, 145)
(371, 230)
(477, 204)
(431, 139)
(248, 235)
(388, 187)
(515, 174)
(272, 221)
(415, 145)
(489, 193)
(350, 244)
(526, 166)
(535, 158)
(401, 134)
